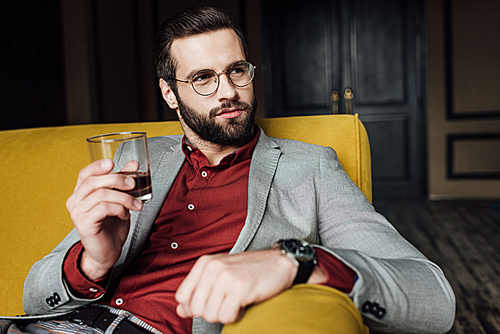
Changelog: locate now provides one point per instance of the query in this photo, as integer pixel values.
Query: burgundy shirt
(203, 213)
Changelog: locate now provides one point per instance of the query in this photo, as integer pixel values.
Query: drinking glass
(128, 150)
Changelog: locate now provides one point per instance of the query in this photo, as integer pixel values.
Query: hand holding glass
(129, 152)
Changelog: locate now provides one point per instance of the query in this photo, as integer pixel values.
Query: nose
(226, 91)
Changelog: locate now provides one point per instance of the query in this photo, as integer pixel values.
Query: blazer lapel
(262, 169)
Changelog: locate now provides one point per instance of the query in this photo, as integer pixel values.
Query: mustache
(229, 104)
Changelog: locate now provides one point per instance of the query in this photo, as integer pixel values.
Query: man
(224, 195)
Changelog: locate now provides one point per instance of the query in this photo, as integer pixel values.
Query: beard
(234, 131)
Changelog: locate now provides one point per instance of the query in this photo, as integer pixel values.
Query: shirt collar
(198, 160)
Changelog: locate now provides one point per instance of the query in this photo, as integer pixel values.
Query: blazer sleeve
(398, 289)
(45, 290)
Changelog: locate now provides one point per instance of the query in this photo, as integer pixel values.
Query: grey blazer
(295, 190)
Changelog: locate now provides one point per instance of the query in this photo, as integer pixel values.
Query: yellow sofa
(39, 168)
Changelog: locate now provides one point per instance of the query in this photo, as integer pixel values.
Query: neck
(213, 152)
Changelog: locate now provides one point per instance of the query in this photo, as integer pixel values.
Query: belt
(101, 317)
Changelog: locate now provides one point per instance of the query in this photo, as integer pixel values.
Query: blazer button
(366, 308)
(380, 313)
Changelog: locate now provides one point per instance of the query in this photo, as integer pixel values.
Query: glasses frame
(228, 74)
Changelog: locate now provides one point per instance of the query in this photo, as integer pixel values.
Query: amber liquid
(142, 189)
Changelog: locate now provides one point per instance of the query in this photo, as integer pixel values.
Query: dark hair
(188, 22)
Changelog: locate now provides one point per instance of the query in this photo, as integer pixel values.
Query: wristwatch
(302, 254)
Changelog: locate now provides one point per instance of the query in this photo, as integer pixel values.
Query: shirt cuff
(79, 285)
(340, 276)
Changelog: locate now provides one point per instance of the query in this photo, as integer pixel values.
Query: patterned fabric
(46, 327)
(59, 327)
(68, 327)
(122, 314)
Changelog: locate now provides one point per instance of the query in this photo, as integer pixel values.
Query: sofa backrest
(39, 168)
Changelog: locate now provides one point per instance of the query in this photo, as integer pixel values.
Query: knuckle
(91, 183)
(228, 317)
(110, 209)
(204, 258)
(198, 308)
(100, 195)
(231, 278)
(69, 203)
(82, 173)
(211, 318)
(213, 266)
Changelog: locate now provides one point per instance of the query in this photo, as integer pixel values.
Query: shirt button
(174, 245)
(119, 301)
(191, 207)
(204, 174)
(189, 148)
(93, 290)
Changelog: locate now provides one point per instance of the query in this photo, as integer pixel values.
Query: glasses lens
(241, 74)
(205, 82)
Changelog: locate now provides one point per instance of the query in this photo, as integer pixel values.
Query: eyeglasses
(206, 82)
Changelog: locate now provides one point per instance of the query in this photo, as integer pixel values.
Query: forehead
(213, 50)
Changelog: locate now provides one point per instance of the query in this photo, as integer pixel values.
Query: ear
(168, 94)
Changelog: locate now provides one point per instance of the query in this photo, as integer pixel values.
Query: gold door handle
(348, 95)
(335, 97)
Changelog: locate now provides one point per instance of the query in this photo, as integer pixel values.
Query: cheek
(199, 104)
(246, 93)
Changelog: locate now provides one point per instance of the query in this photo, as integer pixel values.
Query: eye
(239, 69)
(203, 77)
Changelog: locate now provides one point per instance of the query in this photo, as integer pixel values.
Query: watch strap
(304, 271)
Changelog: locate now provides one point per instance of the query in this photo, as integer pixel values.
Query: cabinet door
(369, 53)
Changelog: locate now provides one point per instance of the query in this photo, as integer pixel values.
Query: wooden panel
(374, 49)
(476, 51)
(301, 46)
(472, 53)
(473, 156)
(306, 41)
(380, 52)
(115, 61)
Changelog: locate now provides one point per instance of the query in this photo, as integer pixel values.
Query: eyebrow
(193, 72)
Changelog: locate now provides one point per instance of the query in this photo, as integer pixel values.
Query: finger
(181, 312)
(205, 300)
(214, 302)
(230, 310)
(187, 288)
(87, 221)
(99, 167)
(228, 297)
(131, 166)
(108, 181)
(100, 205)
(110, 196)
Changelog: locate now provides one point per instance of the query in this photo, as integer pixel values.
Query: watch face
(298, 248)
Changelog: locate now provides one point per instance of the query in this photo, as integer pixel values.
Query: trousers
(91, 319)
(305, 308)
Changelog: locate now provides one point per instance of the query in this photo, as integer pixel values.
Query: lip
(230, 113)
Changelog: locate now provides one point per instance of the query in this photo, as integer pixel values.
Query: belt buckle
(85, 315)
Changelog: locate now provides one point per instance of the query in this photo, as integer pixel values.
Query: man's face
(225, 117)
(232, 132)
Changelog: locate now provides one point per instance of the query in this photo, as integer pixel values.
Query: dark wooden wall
(59, 59)
(31, 72)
